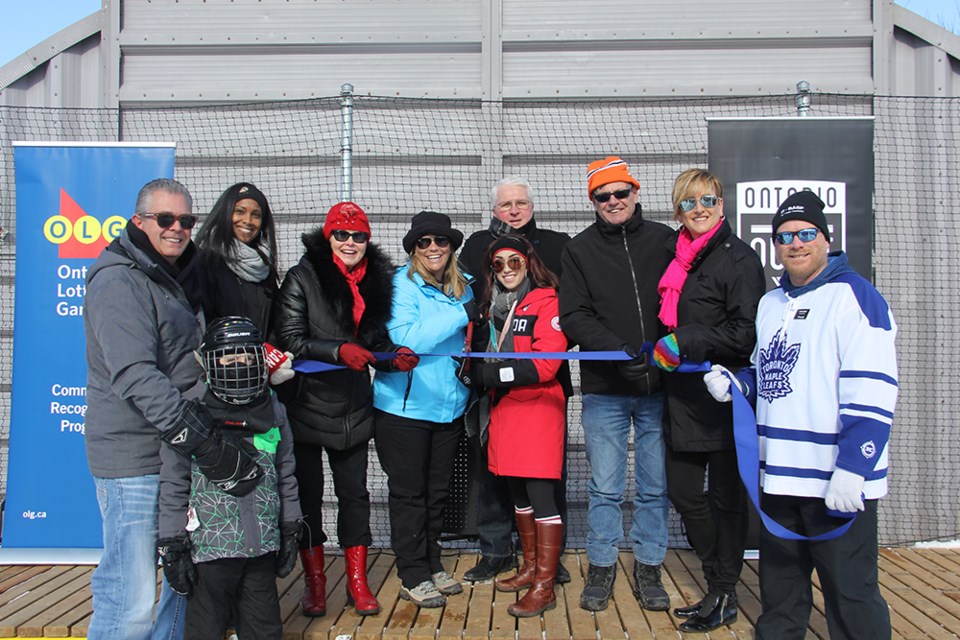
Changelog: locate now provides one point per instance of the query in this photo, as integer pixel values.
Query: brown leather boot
(541, 597)
(358, 593)
(527, 528)
(314, 599)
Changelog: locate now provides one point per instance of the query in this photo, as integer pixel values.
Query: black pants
(250, 585)
(418, 458)
(716, 523)
(846, 566)
(495, 519)
(349, 470)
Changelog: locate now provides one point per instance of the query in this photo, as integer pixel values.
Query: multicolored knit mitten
(666, 353)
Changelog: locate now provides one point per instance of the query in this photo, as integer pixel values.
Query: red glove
(279, 366)
(355, 356)
(405, 359)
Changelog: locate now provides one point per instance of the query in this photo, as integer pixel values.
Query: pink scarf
(353, 278)
(676, 274)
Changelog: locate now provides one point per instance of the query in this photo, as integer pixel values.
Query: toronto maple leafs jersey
(826, 383)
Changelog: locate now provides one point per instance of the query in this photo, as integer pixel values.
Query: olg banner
(72, 200)
(762, 161)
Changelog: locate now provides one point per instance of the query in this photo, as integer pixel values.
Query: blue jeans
(124, 584)
(606, 431)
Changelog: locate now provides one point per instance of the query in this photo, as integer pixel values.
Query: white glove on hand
(845, 492)
(283, 372)
(718, 384)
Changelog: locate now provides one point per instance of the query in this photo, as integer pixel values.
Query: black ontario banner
(762, 161)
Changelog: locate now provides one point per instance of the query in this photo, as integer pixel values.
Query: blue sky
(25, 23)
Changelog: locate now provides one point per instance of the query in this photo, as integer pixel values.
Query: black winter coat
(227, 294)
(716, 316)
(608, 298)
(312, 317)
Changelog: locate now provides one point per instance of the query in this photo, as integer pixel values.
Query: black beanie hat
(511, 242)
(431, 223)
(803, 205)
(245, 190)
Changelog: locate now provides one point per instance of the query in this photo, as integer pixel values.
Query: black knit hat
(511, 242)
(431, 223)
(245, 190)
(803, 205)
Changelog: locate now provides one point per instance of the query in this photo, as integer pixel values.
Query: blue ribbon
(748, 463)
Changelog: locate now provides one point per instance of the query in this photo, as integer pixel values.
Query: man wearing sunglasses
(824, 378)
(609, 302)
(141, 323)
(511, 206)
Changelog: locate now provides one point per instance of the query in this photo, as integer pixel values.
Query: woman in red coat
(528, 413)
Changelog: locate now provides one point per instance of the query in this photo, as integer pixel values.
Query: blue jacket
(426, 321)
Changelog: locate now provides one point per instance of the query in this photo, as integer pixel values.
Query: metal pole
(346, 142)
(804, 99)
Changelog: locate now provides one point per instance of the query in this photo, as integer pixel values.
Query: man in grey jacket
(142, 325)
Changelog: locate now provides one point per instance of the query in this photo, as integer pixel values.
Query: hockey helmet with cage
(233, 358)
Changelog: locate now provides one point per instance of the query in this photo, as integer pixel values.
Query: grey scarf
(249, 263)
(502, 302)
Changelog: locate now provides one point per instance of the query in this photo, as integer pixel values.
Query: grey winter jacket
(141, 332)
(224, 526)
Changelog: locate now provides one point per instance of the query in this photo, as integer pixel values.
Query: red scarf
(676, 274)
(354, 276)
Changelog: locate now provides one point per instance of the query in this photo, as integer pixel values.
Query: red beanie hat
(347, 216)
(610, 169)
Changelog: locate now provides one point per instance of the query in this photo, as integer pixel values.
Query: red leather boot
(314, 599)
(358, 593)
(527, 528)
(540, 596)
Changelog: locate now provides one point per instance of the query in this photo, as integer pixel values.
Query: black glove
(289, 547)
(635, 369)
(194, 430)
(178, 567)
(472, 310)
(232, 466)
(506, 374)
(463, 371)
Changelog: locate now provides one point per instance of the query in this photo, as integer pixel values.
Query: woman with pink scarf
(708, 302)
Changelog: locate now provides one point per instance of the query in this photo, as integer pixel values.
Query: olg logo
(758, 201)
(78, 234)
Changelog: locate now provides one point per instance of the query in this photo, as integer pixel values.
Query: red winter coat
(528, 423)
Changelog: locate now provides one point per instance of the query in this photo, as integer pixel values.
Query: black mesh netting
(412, 154)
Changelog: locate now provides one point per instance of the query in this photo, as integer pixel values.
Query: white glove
(718, 384)
(845, 492)
(279, 363)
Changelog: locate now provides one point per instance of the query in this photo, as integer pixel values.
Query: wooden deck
(922, 587)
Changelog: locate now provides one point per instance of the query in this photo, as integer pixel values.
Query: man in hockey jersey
(825, 381)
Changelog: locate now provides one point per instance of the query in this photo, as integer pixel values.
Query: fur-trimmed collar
(376, 288)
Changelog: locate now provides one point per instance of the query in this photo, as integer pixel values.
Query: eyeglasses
(425, 242)
(688, 204)
(805, 235)
(619, 194)
(503, 207)
(360, 237)
(514, 262)
(165, 219)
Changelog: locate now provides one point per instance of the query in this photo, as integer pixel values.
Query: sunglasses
(441, 241)
(805, 235)
(514, 262)
(360, 237)
(688, 204)
(619, 194)
(165, 219)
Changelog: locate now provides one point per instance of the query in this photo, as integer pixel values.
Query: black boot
(690, 611)
(647, 587)
(723, 611)
(599, 588)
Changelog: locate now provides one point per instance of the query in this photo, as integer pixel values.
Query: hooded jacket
(609, 299)
(141, 331)
(312, 316)
(716, 315)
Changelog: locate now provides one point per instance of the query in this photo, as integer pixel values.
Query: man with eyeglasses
(142, 326)
(609, 302)
(824, 381)
(511, 204)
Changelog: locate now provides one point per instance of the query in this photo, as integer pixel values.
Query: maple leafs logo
(776, 364)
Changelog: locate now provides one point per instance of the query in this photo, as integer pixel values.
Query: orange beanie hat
(610, 169)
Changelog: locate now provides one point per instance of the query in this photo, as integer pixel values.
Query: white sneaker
(446, 584)
(424, 595)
